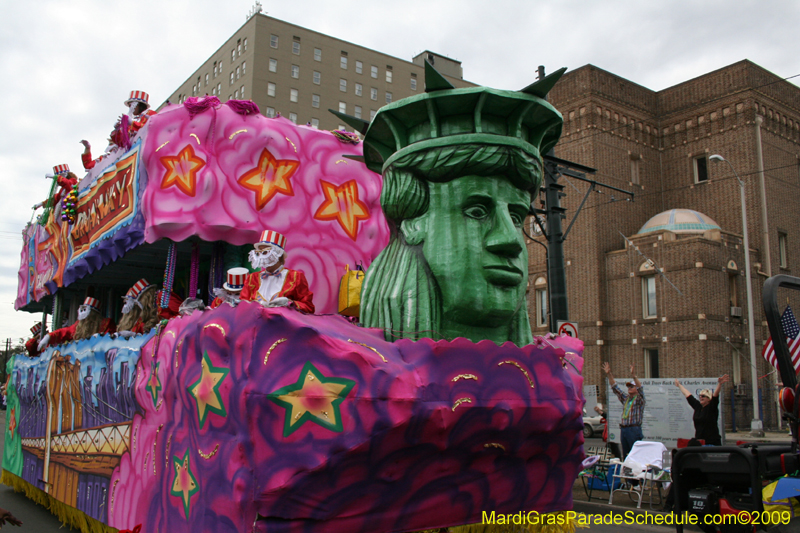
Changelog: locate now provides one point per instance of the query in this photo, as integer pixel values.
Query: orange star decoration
(270, 177)
(342, 204)
(13, 422)
(182, 170)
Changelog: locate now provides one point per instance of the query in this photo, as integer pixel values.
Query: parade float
(434, 409)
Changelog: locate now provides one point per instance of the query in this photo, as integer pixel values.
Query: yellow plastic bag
(350, 291)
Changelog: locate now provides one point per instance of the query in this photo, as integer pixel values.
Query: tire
(587, 431)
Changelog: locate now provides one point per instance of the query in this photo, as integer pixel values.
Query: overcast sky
(67, 65)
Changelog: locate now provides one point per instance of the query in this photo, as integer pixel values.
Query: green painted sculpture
(459, 167)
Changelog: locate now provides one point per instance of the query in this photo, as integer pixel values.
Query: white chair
(641, 472)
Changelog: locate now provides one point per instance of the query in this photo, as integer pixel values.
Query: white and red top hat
(94, 303)
(37, 328)
(61, 169)
(139, 96)
(236, 277)
(271, 238)
(138, 288)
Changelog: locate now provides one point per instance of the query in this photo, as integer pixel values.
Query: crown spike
(435, 81)
(358, 124)
(541, 87)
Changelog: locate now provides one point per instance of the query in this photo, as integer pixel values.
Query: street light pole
(756, 426)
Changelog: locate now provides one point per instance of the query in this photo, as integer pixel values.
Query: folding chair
(641, 472)
(596, 474)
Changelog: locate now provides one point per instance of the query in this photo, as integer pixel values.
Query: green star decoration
(206, 390)
(184, 486)
(153, 384)
(314, 398)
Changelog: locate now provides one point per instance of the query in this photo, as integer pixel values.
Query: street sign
(568, 328)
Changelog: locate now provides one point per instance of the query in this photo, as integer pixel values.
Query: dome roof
(680, 221)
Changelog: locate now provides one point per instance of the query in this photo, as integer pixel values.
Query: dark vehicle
(723, 485)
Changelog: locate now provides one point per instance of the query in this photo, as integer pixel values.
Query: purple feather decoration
(243, 107)
(197, 105)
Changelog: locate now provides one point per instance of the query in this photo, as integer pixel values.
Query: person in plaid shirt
(632, 409)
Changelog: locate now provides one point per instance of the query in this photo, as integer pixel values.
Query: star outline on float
(154, 383)
(269, 177)
(182, 170)
(212, 376)
(185, 485)
(328, 415)
(343, 205)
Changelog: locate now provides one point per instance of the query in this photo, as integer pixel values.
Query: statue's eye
(517, 218)
(477, 212)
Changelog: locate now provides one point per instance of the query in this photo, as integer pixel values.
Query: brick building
(657, 144)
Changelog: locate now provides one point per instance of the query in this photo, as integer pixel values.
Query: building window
(342, 107)
(271, 112)
(219, 89)
(540, 302)
(273, 65)
(239, 48)
(343, 85)
(314, 100)
(270, 89)
(343, 62)
(413, 84)
(388, 97)
(293, 95)
(241, 92)
(238, 72)
(317, 57)
(244, 67)
(373, 93)
(736, 361)
(236, 94)
(194, 90)
(733, 288)
(315, 123)
(359, 89)
(215, 69)
(373, 71)
(372, 114)
(357, 112)
(273, 41)
(233, 55)
(296, 48)
(317, 77)
(220, 68)
(388, 76)
(359, 67)
(231, 82)
(782, 259)
(649, 297)
(700, 165)
(206, 80)
(651, 363)
(244, 43)
(213, 93)
(295, 71)
(635, 159)
(293, 117)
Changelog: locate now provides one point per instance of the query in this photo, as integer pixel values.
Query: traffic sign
(568, 328)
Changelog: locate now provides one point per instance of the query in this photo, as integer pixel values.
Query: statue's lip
(505, 268)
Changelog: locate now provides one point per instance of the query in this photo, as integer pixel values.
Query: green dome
(680, 221)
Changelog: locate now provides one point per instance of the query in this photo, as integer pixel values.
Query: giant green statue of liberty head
(459, 169)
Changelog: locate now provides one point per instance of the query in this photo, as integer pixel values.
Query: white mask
(132, 109)
(260, 259)
(83, 312)
(128, 305)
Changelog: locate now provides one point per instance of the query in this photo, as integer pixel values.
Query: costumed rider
(144, 313)
(66, 181)
(230, 290)
(272, 285)
(89, 322)
(132, 308)
(127, 126)
(32, 345)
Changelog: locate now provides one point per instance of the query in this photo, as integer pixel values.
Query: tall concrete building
(301, 73)
(685, 220)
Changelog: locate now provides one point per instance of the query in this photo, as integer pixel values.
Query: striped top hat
(37, 328)
(236, 277)
(271, 238)
(94, 303)
(138, 288)
(61, 169)
(139, 96)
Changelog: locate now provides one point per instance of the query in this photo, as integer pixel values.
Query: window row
(293, 93)
(239, 49)
(316, 77)
(271, 113)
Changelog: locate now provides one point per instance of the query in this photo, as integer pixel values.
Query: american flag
(792, 332)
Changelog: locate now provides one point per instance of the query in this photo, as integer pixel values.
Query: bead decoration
(194, 272)
(169, 275)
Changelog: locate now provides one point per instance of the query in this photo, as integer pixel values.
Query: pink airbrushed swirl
(222, 176)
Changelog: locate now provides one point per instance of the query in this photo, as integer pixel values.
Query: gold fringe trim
(69, 516)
